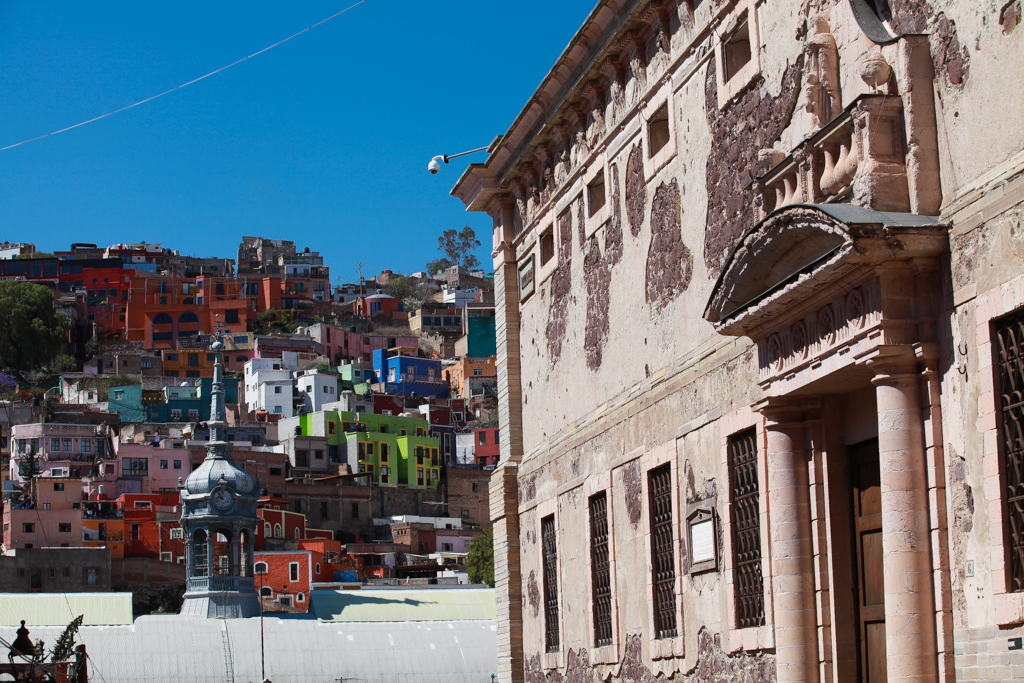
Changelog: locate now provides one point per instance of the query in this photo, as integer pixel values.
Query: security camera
(433, 166)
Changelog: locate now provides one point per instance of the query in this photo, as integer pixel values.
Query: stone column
(792, 552)
(909, 595)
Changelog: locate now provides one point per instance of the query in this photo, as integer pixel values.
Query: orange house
(161, 310)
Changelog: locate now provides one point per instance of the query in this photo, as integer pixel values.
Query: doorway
(865, 479)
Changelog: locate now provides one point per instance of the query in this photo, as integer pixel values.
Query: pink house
(54, 520)
(340, 344)
(62, 450)
(154, 468)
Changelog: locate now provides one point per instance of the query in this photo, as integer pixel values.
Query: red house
(151, 526)
(485, 447)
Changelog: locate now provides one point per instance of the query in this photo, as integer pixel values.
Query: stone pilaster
(504, 487)
(906, 532)
(792, 552)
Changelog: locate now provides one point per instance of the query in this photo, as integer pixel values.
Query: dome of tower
(215, 471)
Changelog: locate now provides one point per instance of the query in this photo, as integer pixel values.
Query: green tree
(35, 254)
(437, 265)
(458, 247)
(31, 331)
(397, 286)
(62, 364)
(65, 647)
(480, 560)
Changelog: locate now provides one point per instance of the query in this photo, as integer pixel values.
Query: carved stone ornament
(822, 97)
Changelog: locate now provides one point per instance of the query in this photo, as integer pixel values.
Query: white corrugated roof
(297, 648)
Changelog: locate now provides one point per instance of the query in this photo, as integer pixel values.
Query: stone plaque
(702, 534)
(526, 279)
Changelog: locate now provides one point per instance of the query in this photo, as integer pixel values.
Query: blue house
(409, 375)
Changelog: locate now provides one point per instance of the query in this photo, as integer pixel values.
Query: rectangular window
(658, 132)
(737, 48)
(85, 445)
(331, 426)
(54, 445)
(595, 194)
(64, 527)
(177, 463)
(293, 571)
(384, 452)
(193, 360)
(58, 487)
(147, 364)
(600, 570)
(745, 514)
(355, 510)
(28, 527)
(177, 533)
(483, 438)
(92, 576)
(1009, 350)
(68, 445)
(325, 511)
(662, 552)
(547, 248)
(550, 559)
(419, 476)
(134, 532)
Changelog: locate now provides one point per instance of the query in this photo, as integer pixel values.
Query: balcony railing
(220, 583)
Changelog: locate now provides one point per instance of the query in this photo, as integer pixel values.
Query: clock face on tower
(221, 500)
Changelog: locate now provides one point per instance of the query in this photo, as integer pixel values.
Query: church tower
(218, 516)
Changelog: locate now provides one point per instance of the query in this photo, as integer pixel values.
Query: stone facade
(756, 267)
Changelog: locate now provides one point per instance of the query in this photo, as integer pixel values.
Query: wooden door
(867, 521)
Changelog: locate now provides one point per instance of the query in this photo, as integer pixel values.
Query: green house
(391, 449)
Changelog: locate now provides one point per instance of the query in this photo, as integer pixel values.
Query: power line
(183, 85)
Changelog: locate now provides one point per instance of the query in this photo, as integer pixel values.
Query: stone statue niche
(821, 74)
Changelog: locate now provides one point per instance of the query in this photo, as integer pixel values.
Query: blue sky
(324, 140)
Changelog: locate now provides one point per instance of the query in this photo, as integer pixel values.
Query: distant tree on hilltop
(458, 247)
(31, 331)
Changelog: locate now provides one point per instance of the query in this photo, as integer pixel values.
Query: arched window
(188, 301)
(297, 536)
(317, 567)
(267, 592)
(244, 548)
(260, 568)
(278, 531)
(223, 562)
(199, 549)
(163, 327)
(301, 597)
(266, 529)
(188, 324)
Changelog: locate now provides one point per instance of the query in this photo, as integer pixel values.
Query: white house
(317, 389)
(268, 387)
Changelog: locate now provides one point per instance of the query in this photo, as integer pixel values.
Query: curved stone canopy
(215, 471)
(795, 241)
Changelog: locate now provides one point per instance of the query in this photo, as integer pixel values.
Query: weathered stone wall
(617, 360)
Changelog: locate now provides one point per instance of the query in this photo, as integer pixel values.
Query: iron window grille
(600, 570)
(663, 552)
(550, 550)
(748, 583)
(1009, 333)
